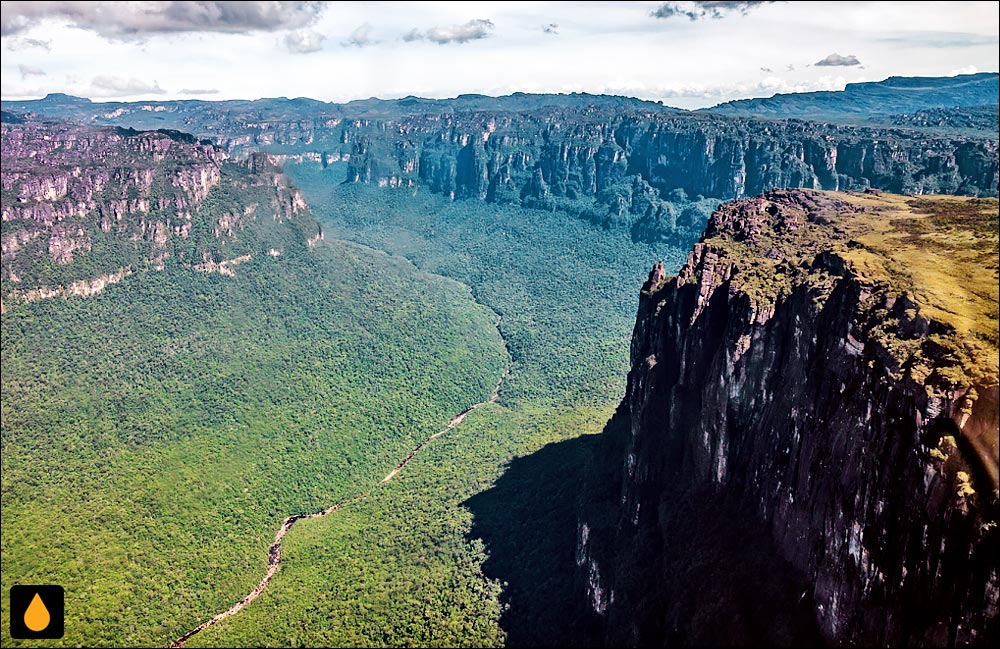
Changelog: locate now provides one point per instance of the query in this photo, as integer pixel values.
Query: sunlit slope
(154, 436)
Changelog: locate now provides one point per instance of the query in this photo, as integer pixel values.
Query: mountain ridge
(895, 95)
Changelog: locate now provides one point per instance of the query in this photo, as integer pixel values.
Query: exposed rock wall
(640, 172)
(81, 203)
(791, 409)
(582, 154)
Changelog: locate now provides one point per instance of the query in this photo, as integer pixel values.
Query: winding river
(274, 552)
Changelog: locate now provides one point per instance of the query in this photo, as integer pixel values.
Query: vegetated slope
(400, 567)
(156, 433)
(893, 96)
(85, 206)
(808, 444)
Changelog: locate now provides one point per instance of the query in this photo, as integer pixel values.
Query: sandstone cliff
(583, 153)
(616, 162)
(83, 207)
(637, 171)
(807, 450)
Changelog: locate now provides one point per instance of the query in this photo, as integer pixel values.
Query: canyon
(806, 450)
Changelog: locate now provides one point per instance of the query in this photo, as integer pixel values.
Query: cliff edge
(83, 207)
(807, 449)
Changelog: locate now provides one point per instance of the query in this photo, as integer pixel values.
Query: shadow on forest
(528, 522)
(709, 575)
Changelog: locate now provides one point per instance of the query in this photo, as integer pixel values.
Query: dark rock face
(777, 430)
(631, 170)
(583, 154)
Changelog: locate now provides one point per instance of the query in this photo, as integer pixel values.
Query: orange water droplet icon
(37, 617)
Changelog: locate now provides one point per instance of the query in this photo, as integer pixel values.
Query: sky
(685, 54)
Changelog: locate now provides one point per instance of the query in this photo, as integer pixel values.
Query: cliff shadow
(528, 522)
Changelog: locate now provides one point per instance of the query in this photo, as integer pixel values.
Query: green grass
(938, 251)
(944, 250)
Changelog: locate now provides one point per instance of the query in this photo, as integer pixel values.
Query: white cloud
(719, 92)
(30, 71)
(835, 60)
(16, 44)
(472, 30)
(107, 86)
(704, 9)
(304, 42)
(360, 37)
(969, 69)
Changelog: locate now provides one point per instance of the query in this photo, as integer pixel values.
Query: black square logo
(36, 612)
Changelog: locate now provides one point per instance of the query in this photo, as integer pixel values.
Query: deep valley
(529, 370)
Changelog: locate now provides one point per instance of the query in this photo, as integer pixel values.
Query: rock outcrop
(83, 207)
(807, 449)
(584, 153)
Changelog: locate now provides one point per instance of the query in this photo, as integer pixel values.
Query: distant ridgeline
(614, 161)
(624, 167)
(84, 206)
(897, 96)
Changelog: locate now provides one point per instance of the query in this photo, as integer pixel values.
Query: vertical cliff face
(583, 153)
(83, 207)
(813, 400)
(637, 171)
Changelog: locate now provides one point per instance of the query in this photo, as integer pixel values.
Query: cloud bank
(122, 20)
(110, 86)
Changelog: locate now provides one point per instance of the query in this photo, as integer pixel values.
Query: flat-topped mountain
(303, 125)
(893, 96)
(809, 434)
(228, 117)
(573, 154)
(616, 162)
